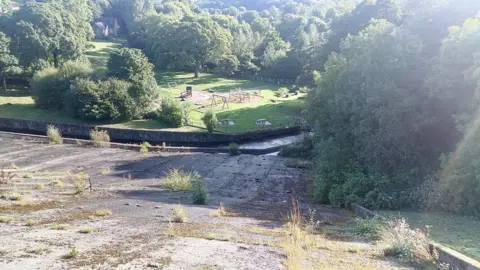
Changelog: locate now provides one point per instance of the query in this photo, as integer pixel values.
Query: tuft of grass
(80, 183)
(31, 222)
(404, 243)
(180, 214)
(221, 210)
(40, 186)
(57, 183)
(294, 243)
(371, 229)
(11, 196)
(100, 138)
(54, 135)
(59, 226)
(72, 253)
(199, 192)
(41, 250)
(86, 230)
(234, 149)
(145, 147)
(177, 179)
(103, 212)
(106, 170)
(4, 219)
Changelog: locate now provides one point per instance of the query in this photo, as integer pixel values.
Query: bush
(100, 100)
(234, 149)
(301, 149)
(199, 192)
(100, 138)
(210, 120)
(54, 135)
(50, 84)
(404, 243)
(371, 229)
(171, 113)
(282, 92)
(177, 179)
(145, 147)
(180, 214)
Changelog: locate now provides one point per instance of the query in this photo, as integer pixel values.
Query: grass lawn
(457, 232)
(282, 112)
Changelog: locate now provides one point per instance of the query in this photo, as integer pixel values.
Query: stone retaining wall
(141, 135)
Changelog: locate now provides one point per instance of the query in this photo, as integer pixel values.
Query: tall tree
(8, 62)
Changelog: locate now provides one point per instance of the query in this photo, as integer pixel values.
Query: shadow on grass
(15, 93)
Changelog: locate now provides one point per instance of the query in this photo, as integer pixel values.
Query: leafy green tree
(210, 120)
(190, 43)
(132, 65)
(8, 62)
(368, 110)
(49, 31)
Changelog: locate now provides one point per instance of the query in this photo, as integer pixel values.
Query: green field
(284, 112)
(457, 232)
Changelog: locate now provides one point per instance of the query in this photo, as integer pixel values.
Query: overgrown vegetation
(180, 214)
(199, 192)
(234, 149)
(54, 135)
(210, 120)
(100, 138)
(177, 179)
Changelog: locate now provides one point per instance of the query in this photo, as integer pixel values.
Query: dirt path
(49, 220)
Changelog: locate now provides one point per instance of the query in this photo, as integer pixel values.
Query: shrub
(100, 138)
(72, 253)
(199, 192)
(54, 135)
(282, 92)
(180, 214)
(49, 85)
(180, 180)
(171, 113)
(100, 100)
(301, 149)
(210, 120)
(144, 147)
(80, 183)
(234, 149)
(402, 242)
(369, 228)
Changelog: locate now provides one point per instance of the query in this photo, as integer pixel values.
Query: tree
(49, 31)
(190, 43)
(371, 119)
(210, 120)
(8, 62)
(133, 66)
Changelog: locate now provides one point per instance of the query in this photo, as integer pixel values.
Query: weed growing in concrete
(293, 245)
(106, 170)
(177, 179)
(404, 243)
(72, 253)
(54, 135)
(199, 192)
(59, 226)
(40, 186)
(145, 147)
(6, 177)
(221, 211)
(234, 149)
(4, 219)
(103, 212)
(80, 183)
(100, 138)
(31, 222)
(312, 224)
(12, 196)
(57, 183)
(86, 230)
(180, 214)
(41, 250)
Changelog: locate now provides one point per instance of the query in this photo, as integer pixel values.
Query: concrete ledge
(140, 135)
(136, 147)
(455, 260)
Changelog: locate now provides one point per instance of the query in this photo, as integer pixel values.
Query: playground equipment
(219, 99)
(186, 94)
(239, 96)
